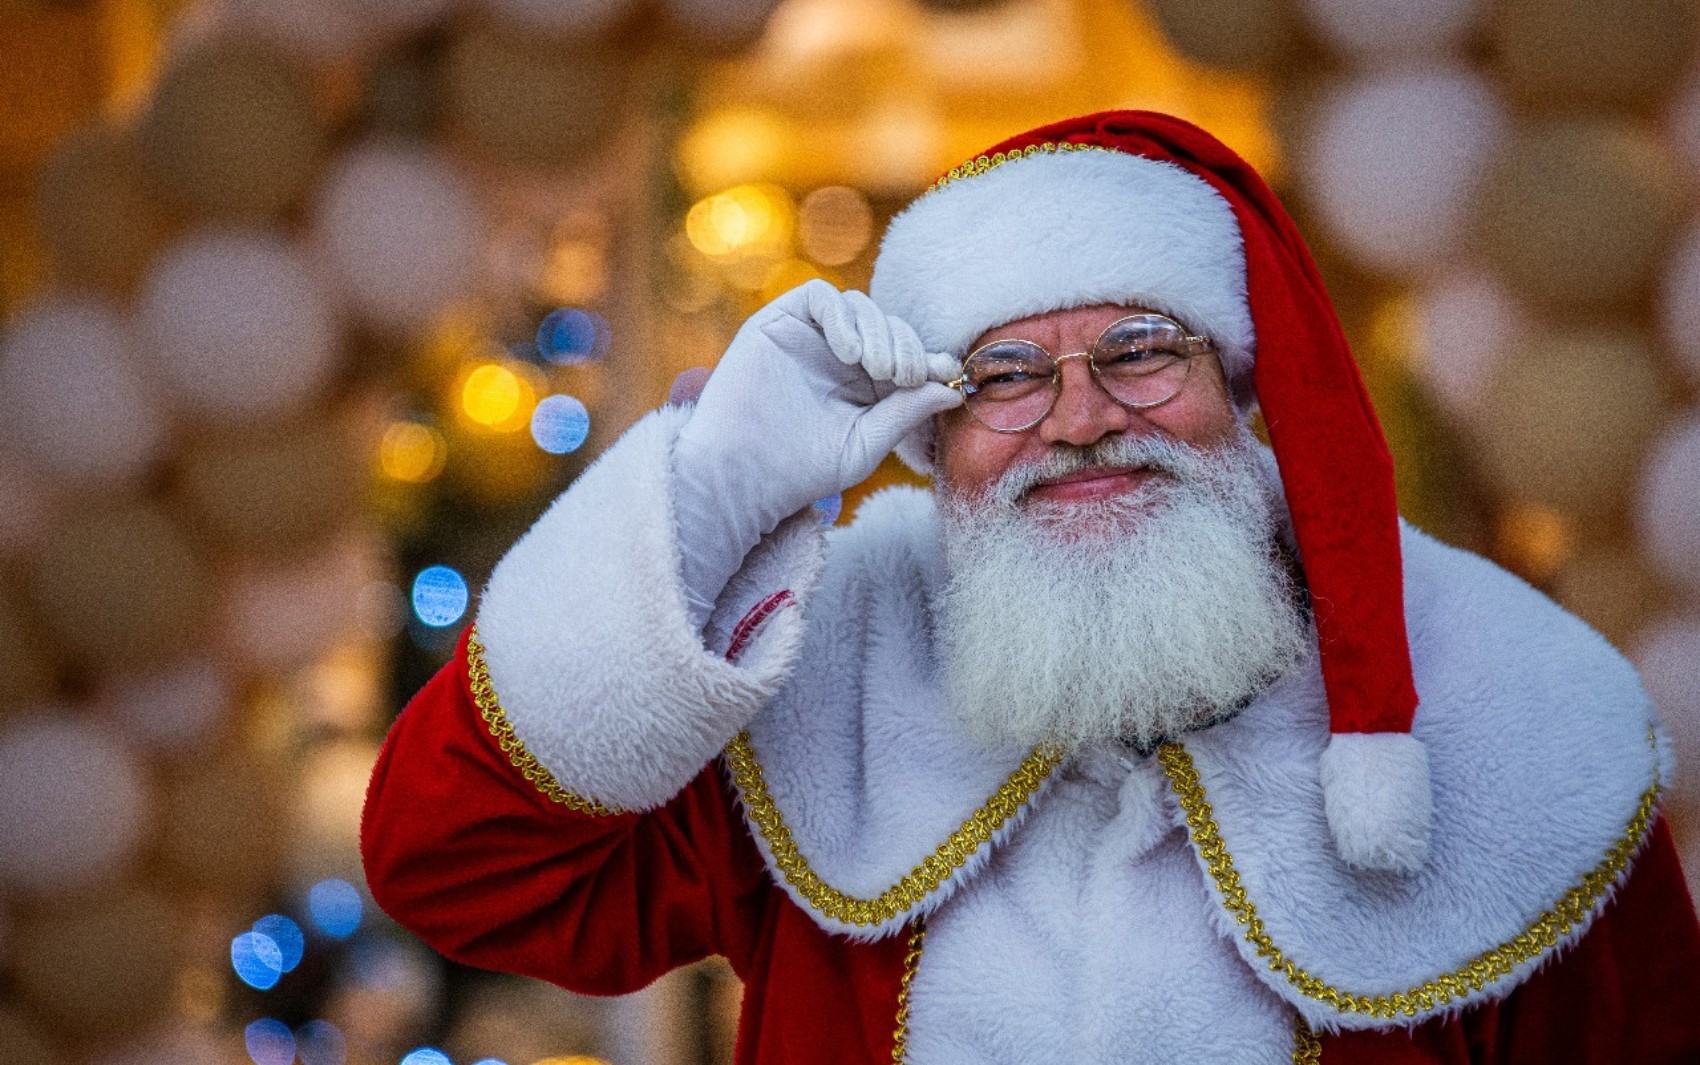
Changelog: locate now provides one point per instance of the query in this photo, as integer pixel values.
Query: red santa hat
(1144, 209)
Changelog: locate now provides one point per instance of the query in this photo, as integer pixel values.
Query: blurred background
(310, 306)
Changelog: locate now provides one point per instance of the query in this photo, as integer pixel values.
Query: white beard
(1134, 619)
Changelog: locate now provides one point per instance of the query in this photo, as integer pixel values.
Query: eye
(1003, 375)
(1007, 367)
(1129, 355)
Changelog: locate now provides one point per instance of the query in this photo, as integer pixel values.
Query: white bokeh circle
(1467, 320)
(1669, 504)
(404, 231)
(76, 800)
(238, 325)
(1679, 300)
(1383, 29)
(1393, 159)
(72, 403)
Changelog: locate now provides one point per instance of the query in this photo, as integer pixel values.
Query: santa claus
(1132, 740)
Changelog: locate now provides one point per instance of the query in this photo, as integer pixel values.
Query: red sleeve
(473, 858)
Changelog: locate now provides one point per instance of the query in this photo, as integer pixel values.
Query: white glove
(813, 392)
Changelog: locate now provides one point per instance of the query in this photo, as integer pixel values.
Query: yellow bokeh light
(741, 219)
(498, 396)
(411, 453)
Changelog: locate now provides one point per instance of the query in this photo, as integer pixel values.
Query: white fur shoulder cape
(1544, 752)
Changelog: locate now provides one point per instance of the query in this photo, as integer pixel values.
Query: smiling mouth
(1094, 482)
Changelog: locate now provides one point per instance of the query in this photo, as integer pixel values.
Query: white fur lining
(589, 644)
(867, 773)
(1537, 736)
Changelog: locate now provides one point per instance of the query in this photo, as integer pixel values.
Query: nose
(1084, 413)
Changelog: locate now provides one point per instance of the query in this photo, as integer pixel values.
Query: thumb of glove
(881, 426)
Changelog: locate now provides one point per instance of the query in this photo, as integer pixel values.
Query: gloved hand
(813, 392)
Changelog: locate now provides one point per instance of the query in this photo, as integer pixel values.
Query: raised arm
(549, 803)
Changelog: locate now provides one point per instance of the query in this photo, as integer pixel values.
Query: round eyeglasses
(1142, 361)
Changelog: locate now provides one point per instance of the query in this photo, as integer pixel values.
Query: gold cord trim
(502, 731)
(919, 882)
(911, 966)
(977, 166)
(1486, 968)
(1307, 1048)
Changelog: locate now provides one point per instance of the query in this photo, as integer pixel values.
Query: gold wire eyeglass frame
(1197, 345)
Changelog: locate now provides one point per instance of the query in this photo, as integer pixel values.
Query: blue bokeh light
(321, 1043)
(560, 424)
(283, 931)
(335, 906)
(440, 596)
(270, 1042)
(489, 1061)
(828, 508)
(568, 335)
(257, 960)
(426, 1056)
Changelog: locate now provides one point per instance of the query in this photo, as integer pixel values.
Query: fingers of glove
(910, 354)
(874, 328)
(827, 307)
(882, 425)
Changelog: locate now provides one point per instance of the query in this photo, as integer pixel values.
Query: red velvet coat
(481, 864)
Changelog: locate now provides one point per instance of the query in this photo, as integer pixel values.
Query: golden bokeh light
(411, 453)
(498, 396)
(743, 219)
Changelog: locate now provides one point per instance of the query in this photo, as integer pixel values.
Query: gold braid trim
(977, 166)
(919, 882)
(1307, 1048)
(1486, 968)
(911, 966)
(502, 731)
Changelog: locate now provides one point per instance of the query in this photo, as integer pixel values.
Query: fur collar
(1537, 731)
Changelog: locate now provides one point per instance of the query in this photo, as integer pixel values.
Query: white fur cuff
(590, 647)
(1375, 790)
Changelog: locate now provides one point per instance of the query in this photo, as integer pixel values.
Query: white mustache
(1182, 461)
